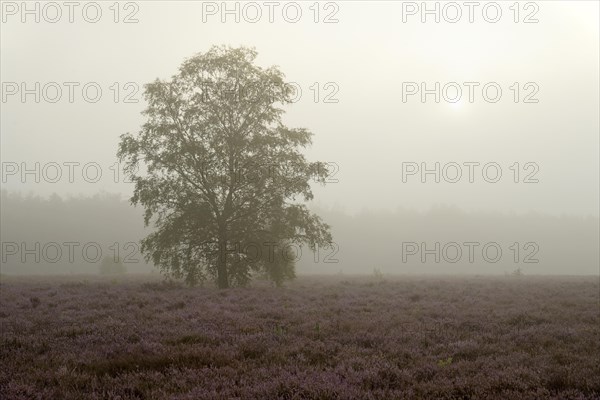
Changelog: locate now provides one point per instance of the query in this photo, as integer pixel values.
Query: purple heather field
(338, 337)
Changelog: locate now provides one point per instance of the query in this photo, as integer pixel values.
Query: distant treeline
(56, 235)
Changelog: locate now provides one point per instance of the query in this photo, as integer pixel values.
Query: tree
(223, 172)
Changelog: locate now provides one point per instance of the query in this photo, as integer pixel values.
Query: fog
(299, 199)
(521, 167)
(48, 236)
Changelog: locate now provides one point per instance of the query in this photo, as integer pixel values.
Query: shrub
(111, 266)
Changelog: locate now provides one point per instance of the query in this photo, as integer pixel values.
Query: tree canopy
(225, 182)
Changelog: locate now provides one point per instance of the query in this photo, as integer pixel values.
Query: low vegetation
(317, 338)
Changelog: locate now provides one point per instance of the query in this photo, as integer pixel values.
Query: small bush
(112, 266)
(444, 363)
(35, 301)
(378, 274)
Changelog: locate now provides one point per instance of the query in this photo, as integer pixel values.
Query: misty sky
(366, 56)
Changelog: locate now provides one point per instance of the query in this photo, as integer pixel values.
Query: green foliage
(444, 362)
(318, 329)
(222, 171)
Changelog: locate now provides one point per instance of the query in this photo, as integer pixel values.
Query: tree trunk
(222, 276)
